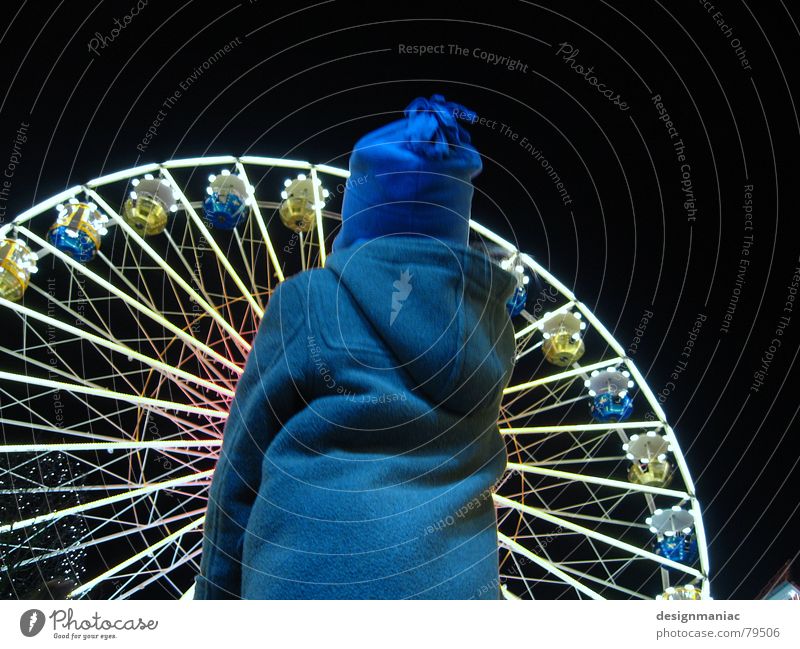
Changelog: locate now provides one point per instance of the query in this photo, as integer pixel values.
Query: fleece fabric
(362, 444)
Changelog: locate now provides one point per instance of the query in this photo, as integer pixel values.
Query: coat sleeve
(267, 394)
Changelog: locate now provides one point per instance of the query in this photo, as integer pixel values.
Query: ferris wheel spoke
(553, 401)
(222, 258)
(606, 482)
(158, 545)
(134, 493)
(507, 594)
(159, 574)
(98, 540)
(172, 444)
(262, 226)
(135, 304)
(180, 250)
(175, 277)
(79, 334)
(75, 388)
(117, 270)
(249, 268)
(561, 376)
(583, 428)
(318, 214)
(548, 566)
(589, 533)
(534, 325)
(604, 582)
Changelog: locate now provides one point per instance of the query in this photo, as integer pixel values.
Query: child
(362, 443)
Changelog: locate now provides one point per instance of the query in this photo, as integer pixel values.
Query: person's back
(362, 444)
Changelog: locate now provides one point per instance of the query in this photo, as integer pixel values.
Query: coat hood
(440, 310)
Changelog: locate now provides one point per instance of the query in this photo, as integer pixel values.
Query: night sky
(677, 216)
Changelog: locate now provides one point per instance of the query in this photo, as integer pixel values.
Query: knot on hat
(417, 174)
(432, 126)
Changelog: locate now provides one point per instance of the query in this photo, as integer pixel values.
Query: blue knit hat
(412, 176)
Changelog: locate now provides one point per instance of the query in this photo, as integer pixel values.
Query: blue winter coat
(362, 442)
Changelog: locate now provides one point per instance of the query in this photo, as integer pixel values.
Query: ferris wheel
(128, 306)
